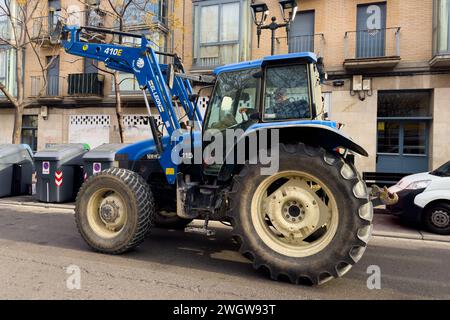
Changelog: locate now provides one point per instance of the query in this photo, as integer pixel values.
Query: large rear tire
(114, 211)
(308, 223)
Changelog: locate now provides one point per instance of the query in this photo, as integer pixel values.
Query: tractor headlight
(419, 185)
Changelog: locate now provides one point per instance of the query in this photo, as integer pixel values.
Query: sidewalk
(32, 202)
(385, 225)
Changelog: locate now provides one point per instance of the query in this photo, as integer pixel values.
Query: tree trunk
(119, 111)
(19, 105)
(17, 131)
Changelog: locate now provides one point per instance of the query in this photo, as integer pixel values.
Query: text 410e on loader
(309, 221)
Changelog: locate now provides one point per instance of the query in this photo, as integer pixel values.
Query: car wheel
(436, 218)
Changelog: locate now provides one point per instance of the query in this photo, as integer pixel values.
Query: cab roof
(303, 56)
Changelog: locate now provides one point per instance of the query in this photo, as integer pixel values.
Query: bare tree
(19, 34)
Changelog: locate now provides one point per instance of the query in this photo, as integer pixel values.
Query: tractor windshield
(234, 100)
(287, 93)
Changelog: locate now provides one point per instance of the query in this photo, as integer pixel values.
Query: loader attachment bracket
(382, 196)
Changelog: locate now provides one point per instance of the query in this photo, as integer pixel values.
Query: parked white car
(425, 198)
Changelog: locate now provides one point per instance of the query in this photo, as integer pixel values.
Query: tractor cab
(274, 89)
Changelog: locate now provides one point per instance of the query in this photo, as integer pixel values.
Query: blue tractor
(309, 219)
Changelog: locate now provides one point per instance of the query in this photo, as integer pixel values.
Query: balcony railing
(53, 86)
(85, 84)
(211, 56)
(42, 27)
(375, 43)
(306, 43)
(75, 85)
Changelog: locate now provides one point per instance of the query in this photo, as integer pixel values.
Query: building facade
(388, 65)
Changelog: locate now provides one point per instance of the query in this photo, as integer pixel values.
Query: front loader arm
(142, 62)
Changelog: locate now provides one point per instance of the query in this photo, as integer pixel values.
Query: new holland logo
(140, 63)
(58, 178)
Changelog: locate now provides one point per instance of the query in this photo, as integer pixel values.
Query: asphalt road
(37, 245)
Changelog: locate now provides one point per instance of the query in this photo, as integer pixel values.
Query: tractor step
(200, 230)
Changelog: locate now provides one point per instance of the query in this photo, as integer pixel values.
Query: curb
(39, 205)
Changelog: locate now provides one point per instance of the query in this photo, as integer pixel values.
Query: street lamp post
(260, 12)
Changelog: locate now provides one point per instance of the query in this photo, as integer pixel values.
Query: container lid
(105, 152)
(57, 152)
(15, 153)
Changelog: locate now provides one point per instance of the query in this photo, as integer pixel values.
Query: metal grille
(101, 120)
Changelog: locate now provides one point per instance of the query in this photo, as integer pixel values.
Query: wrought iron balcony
(376, 48)
(306, 43)
(85, 84)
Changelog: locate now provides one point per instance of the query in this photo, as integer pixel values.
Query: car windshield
(287, 93)
(443, 171)
(234, 100)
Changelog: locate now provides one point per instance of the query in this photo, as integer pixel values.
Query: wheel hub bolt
(109, 212)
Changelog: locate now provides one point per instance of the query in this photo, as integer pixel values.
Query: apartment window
(441, 26)
(3, 65)
(53, 76)
(7, 68)
(4, 22)
(29, 131)
(54, 13)
(218, 31)
(371, 30)
(145, 12)
(301, 34)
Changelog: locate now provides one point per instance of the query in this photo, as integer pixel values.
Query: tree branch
(8, 95)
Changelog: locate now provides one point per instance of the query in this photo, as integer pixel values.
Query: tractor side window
(287, 93)
(234, 100)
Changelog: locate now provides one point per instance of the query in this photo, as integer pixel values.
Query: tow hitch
(382, 196)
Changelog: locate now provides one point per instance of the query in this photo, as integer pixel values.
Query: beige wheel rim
(294, 213)
(106, 213)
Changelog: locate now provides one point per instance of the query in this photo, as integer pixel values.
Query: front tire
(436, 218)
(114, 210)
(308, 223)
